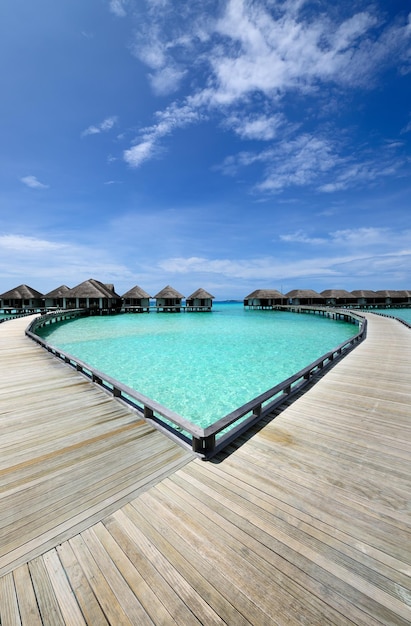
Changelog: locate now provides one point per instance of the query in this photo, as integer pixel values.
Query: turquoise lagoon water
(404, 314)
(201, 365)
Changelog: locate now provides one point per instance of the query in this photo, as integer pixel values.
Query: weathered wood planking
(69, 452)
(304, 521)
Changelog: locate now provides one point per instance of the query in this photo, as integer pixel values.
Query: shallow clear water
(201, 365)
(404, 314)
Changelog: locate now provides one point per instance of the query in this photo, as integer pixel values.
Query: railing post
(148, 413)
(204, 445)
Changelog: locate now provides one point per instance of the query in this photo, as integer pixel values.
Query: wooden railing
(14, 316)
(206, 442)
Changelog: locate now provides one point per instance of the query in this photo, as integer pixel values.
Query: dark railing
(203, 441)
(393, 317)
(14, 316)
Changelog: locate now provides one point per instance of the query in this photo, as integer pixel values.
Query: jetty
(304, 519)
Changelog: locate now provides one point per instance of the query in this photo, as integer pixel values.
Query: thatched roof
(92, 289)
(364, 293)
(169, 292)
(59, 292)
(336, 293)
(387, 293)
(303, 293)
(22, 292)
(201, 294)
(136, 292)
(403, 293)
(264, 294)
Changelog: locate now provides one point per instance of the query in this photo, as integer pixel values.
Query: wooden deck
(304, 521)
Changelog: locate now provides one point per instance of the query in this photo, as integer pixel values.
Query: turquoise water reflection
(201, 365)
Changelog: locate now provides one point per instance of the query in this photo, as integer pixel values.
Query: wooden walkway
(304, 521)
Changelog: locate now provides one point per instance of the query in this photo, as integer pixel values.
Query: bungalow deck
(306, 520)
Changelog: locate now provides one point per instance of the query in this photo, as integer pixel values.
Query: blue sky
(230, 145)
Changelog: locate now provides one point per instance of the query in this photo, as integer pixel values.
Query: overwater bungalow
(55, 299)
(136, 300)
(264, 299)
(22, 297)
(168, 300)
(304, 296)
(392, 297)
(403, 297)
(95, 296)
(365, 297)
(200, 300)
(338, 297)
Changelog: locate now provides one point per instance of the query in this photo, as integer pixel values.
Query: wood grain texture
(305, 520)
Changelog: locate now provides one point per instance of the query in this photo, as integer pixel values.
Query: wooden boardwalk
(304, 521)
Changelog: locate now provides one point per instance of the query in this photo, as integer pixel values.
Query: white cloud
(33, 182)
(166, 80)
(136, 155)
(118, 7)
(262, 49)
(259, 127)
(407, 128)
(365, 170)
(27, 259)
(103, 127)
(170, 119)
(301, 237)
(364, 239)
(23, 244)
(271, 269)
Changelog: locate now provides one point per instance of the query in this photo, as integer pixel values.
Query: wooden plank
(9, 609)
(58, 429)
(293, 535)
(85, 597)
(67, 602)
(312, 506)
(150, 590)
(28, 608)
(102, 589)
(178, 564)
(171, 588)
(45, 596)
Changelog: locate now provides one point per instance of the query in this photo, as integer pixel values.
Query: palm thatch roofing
(92, 289)
(136, 292)
(201, 294)
(59, 292)
(387, 293)
(265, 294)
(169, 292)
(364, 293)
(22, 292)
(402, 293)
(303, 293)
(336, 293)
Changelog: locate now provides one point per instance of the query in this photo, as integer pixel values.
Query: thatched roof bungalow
(200, 300)
(338, 297)
(55, 298)
(93, 295)
(264, 299)
(169, 300)
(403, 296)
(365, 297)
(392, 297)
(21, 297)
(136, 300)
(304, 296)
